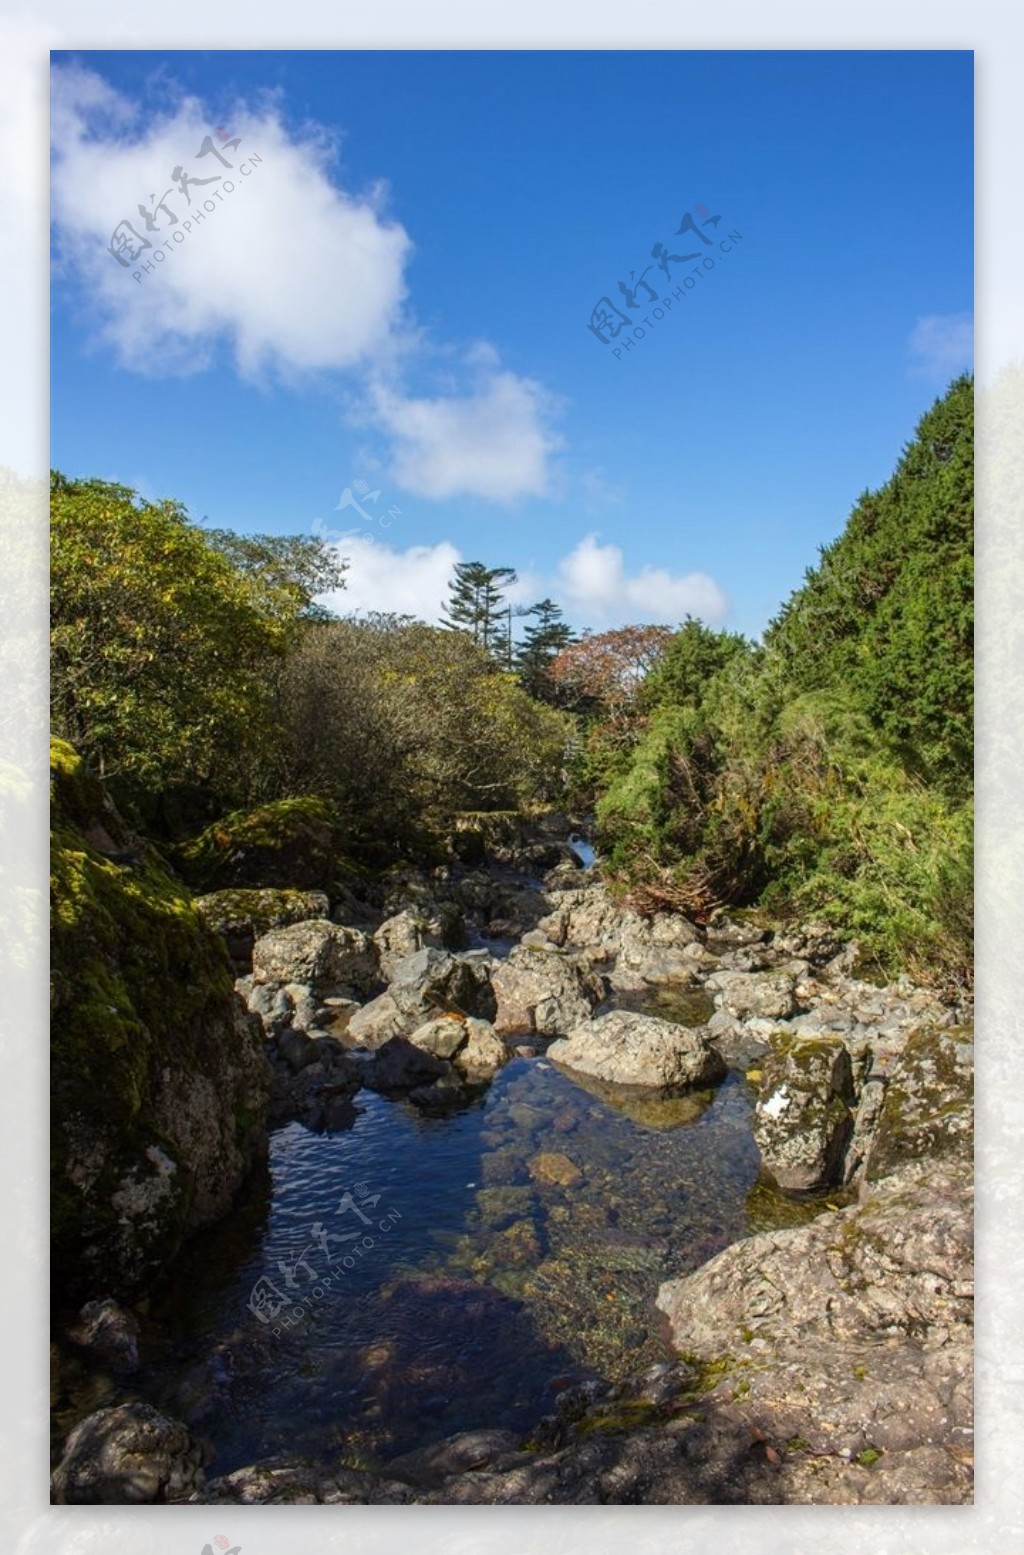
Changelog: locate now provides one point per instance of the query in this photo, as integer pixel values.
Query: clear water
(512, 1246)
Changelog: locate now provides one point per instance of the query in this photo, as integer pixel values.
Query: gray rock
(484, 1053)
(377, 1022)
(398, 1066)
(803, 1121)
(769, 995)
(110, 1332)
(927, 1109)
(441, 1037)
(407, 932)
(128, 1454)
(325, 957)
(540, 990)
(431, 982)
(640, 1050)
(297, 1049)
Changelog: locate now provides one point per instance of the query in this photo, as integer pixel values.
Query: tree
(603, 673)
(288, 572)
(541, 644)
(695, 655)
(160, 643)
(476, 605)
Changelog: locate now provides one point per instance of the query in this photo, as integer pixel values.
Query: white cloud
(288, 270)
(493, 441)
(289, 273)
(595, 586)
(942, 345)
(410, 582)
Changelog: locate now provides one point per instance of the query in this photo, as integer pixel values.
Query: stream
(490, 1257)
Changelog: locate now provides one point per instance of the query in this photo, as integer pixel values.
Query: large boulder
(293, 843)
(241, 916)
(128, 1454)
(927, 1106)
(623, 1048)
(664, 947)
(803, 1122)
(407, 932)
(329, 959)
(432, 982)
(848, 1341)
(159, 1083)
(543, 992)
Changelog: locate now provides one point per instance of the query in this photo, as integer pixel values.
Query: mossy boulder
(294, 843)
(928, 1108)
(803, 1121)
(159, 1083)
(241, 916)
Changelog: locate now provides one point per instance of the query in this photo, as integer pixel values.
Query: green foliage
(137, 976)
(402, 726)
(288, 573)
(159, 643)
(827, 771)
(541, 644)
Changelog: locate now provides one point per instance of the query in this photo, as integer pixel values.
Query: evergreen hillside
(826, 771)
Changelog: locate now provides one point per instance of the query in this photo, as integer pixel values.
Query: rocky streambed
(561, 1204)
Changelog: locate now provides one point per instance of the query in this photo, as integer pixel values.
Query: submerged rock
(640, 1050)
(128, 1454)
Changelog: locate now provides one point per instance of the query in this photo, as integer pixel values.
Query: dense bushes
(828, 770)
(197, 672)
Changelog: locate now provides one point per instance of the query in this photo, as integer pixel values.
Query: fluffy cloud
(410, 582)
(494, 441)
(288, 273)
(591, 583)
(942, 345)
(595, 585)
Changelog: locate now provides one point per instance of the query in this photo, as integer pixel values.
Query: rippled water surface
(513, 1244)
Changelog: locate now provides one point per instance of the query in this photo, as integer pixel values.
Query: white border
(996, 1522)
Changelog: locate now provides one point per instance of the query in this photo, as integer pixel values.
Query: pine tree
(477, 607)
(541, 643)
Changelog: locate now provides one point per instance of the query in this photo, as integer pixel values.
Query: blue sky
(398, 294)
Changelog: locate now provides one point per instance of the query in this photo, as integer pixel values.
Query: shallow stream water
(418, 1275)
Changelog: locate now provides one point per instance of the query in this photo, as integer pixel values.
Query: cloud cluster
(591, 583)
(289, 274)
(595, 584)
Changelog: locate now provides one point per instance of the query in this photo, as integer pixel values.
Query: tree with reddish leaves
(602, 673)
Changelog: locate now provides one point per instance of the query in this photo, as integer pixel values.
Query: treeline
(198, 674)
(827, 770)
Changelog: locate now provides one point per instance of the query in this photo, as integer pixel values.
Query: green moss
(797, 1444)
(869, 1456)
(138, 982)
